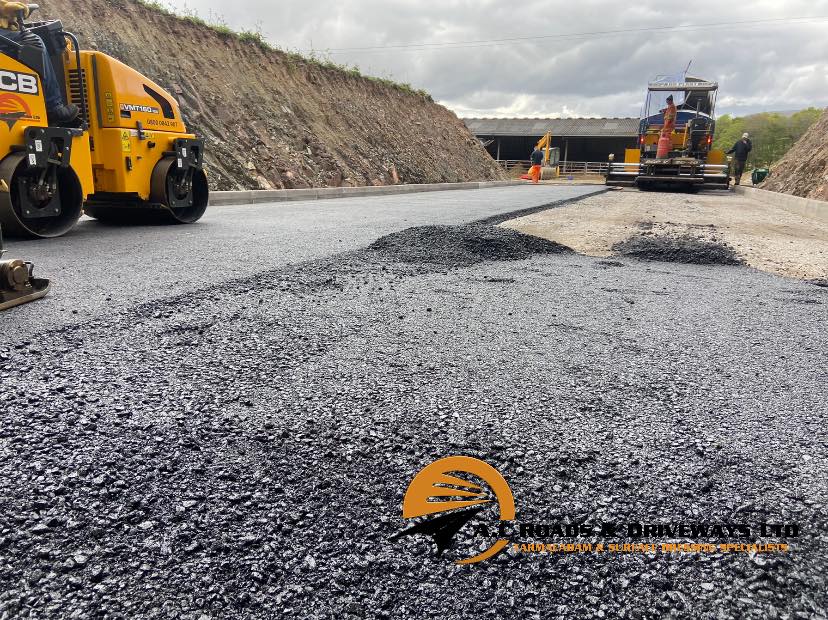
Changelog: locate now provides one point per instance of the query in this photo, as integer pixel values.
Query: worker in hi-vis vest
(537, 162)
(665, 142)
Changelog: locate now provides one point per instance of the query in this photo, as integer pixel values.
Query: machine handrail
(84, 101)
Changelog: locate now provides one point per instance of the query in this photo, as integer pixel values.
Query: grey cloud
(764, 67)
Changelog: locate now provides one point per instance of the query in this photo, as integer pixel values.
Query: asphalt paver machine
(691, 161)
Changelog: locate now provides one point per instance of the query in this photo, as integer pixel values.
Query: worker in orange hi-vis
(665, 142)
(537, 161)
(670, 114)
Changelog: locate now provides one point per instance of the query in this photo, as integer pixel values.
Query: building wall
(573, 149)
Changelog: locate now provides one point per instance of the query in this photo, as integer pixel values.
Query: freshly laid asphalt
(98, 268)
(239, 447)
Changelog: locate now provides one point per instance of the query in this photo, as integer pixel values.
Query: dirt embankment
(274, 121)
(804, 169)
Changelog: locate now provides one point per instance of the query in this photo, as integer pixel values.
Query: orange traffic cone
(665, 143)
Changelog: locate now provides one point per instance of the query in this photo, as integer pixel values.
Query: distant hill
(772, 133)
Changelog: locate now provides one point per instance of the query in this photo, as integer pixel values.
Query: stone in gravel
(67, 565)
(193, 547)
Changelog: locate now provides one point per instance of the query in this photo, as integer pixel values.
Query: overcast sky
(760, 67)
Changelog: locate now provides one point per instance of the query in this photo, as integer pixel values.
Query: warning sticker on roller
(126, 142)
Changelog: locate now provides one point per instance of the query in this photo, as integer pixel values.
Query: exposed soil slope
(272, 121)
(804, 169)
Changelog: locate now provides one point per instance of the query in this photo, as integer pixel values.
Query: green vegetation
(218, 24)
(772, 134)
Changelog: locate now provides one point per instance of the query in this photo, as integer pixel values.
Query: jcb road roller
(127, 158)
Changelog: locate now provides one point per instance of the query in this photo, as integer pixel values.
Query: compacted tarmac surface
(237, 443)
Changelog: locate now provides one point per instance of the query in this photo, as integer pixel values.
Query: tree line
(772, 133)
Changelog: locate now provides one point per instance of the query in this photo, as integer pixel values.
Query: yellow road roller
(127, 158)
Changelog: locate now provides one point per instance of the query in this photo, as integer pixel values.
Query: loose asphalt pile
(460, 246)
(678, 249)
(242, 451)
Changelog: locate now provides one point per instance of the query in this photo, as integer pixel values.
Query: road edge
(806, 207)
(220, 199)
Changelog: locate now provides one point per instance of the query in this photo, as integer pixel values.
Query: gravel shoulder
(242, 451)
(764, 237)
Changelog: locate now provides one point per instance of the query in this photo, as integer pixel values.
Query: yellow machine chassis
(130, 158)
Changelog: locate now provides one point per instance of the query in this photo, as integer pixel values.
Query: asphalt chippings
(242, 451)
(461, 246)
(685, 248)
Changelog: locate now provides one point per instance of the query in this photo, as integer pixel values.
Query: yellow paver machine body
(692, 161)
(128, 159)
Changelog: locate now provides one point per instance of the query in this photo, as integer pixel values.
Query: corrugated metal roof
(560, 127)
